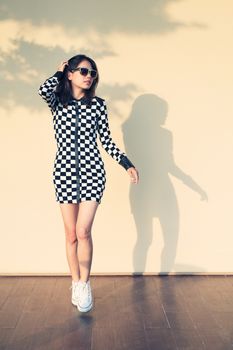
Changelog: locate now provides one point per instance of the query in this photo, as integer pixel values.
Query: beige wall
(166, 73)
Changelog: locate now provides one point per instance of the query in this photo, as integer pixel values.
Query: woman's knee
(71, 236)
(83, 233)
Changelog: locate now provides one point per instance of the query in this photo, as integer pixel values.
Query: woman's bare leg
(69, 213)
(86, 214)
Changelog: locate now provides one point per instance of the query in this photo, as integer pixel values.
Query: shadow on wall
(150, 146)
(30, 60)
(102, 16)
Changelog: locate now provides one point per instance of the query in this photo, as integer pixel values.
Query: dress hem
(78, 201)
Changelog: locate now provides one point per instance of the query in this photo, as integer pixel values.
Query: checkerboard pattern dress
(79, 173)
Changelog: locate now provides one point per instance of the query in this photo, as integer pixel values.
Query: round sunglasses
(84, 71)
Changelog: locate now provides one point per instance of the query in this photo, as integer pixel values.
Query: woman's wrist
(126, 163)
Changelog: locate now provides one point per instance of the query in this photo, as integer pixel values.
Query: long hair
(64, 88)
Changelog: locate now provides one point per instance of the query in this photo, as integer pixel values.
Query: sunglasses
(84, 71)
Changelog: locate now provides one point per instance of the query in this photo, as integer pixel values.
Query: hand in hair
(62, 65)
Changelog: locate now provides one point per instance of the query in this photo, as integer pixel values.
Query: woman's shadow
(150, 146)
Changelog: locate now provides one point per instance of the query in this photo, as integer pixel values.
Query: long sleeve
(106, 139)
(47, 89)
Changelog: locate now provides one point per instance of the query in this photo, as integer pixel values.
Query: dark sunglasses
(84, 71)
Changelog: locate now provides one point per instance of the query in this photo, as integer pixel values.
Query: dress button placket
(77, 150)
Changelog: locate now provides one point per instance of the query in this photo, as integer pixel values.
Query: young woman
(79, 173)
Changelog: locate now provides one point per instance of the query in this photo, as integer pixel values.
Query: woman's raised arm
(47, 89)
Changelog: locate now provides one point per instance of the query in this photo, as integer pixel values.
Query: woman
(79, 174)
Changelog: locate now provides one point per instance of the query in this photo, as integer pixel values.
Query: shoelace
(85, 290)
(82, 288)
(75, 285)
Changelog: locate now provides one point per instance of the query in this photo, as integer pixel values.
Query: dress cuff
(126, 163)
(58, 74)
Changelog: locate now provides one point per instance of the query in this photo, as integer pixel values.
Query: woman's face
(78, 80)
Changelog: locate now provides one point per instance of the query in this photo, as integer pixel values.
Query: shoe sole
(89, 308)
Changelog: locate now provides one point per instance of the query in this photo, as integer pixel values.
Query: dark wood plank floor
(138, 313)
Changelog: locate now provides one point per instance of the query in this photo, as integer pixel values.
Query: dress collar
(82, 100)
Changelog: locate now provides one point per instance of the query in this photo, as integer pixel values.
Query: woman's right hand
(62, 65)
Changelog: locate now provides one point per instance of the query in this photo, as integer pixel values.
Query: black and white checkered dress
(79, 173)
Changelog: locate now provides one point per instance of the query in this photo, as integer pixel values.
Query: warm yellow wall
(164, 62)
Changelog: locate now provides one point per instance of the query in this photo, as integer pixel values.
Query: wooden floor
(138, 313)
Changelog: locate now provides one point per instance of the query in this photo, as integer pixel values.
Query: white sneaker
(75, 290)
(85, 300)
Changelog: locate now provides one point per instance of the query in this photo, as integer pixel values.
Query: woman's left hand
(134, 175)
